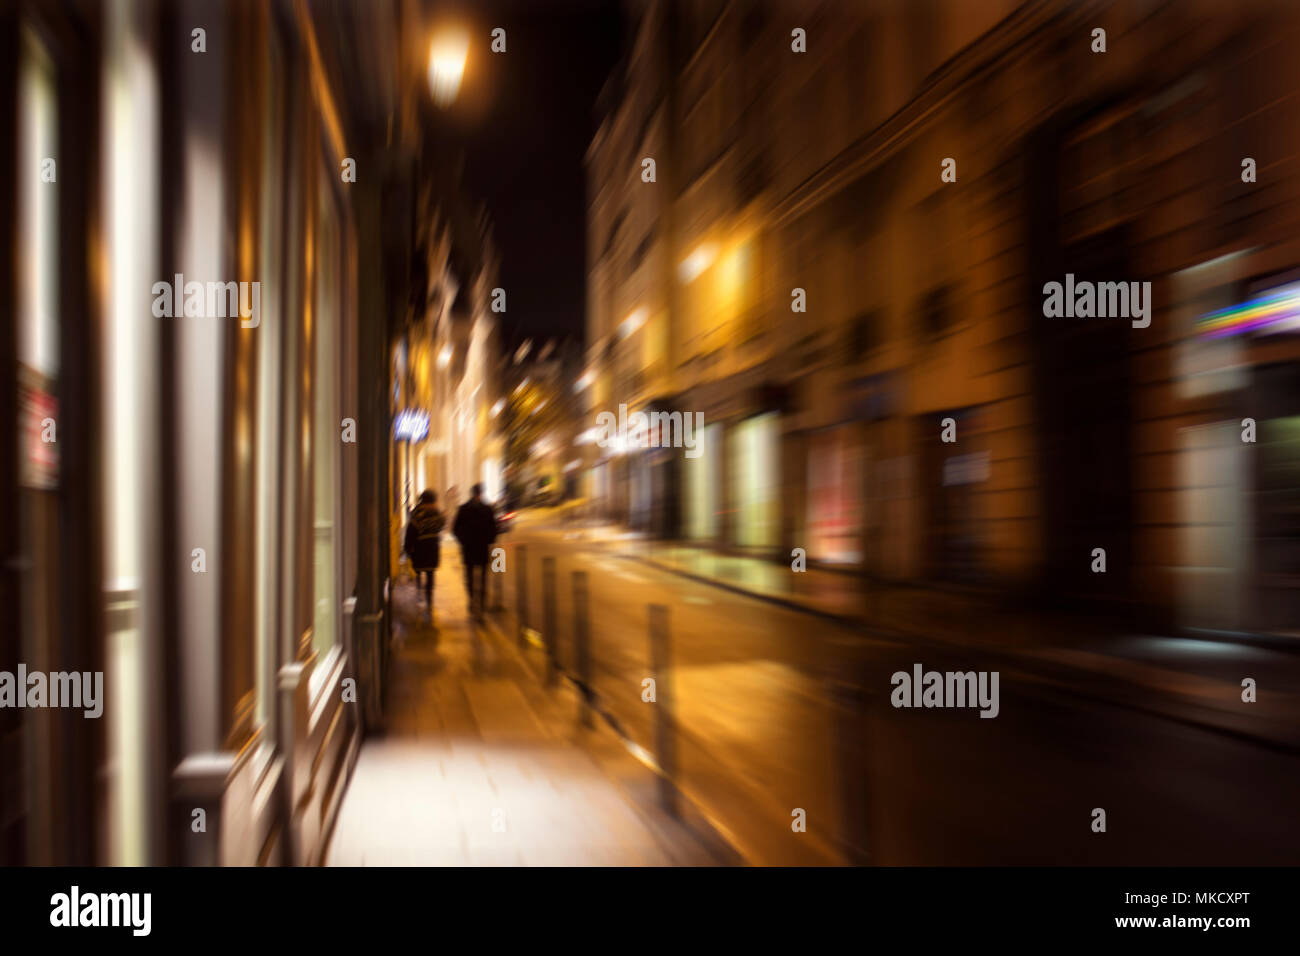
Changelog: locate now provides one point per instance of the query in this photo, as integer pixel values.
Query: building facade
(196, 350)
(445, 369)
(802, 272)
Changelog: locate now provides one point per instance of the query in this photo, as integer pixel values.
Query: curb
(1272, 642)
(1116, 691)
(851, 620)
(1179, 710)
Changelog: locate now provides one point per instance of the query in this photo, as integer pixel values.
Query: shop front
(703, 488)
(835, 481)
(754, 461)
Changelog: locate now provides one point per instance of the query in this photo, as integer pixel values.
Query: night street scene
(650, 433)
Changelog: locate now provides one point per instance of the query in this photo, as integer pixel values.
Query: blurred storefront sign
(966, 469)
(38, 410)
(1270, 312)
(411, 424)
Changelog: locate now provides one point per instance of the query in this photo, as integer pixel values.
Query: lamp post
(448, 52)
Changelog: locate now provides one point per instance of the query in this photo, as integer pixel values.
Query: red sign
(37, 410)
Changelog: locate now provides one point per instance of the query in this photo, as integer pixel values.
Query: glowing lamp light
(694, 265)
(447, 57)
(634, 321)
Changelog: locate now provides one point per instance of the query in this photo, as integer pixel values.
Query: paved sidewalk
(478, 766)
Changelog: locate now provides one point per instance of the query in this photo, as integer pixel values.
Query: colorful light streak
(1275, 311)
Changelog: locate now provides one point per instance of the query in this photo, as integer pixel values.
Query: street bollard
(496, 590)
(521, 591)
(665, 739)
(582, 645)
(549, 624)
(851, 707)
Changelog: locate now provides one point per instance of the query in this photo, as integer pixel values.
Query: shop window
(702, 477)
(642, 249)
(835, 481)
(754, 468)
(863, 335)
(325, 444)
(272, 246)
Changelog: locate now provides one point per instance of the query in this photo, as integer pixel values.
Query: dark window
(753, 179)
(864, 334)
(642, 249)
(752, 26)
(614, 231)
(936, 312)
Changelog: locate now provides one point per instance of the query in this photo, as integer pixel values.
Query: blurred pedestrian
(422, 544)
(475, 528)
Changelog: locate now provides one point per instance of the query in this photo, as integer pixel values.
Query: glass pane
(702, 487)
(755, 478)
(326, 419)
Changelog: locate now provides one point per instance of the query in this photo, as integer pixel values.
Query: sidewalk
(479, 766)
(1197, 680)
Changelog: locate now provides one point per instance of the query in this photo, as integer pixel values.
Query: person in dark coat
(475, 528)
(422, 545)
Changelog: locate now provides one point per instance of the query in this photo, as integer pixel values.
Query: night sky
(524, 120)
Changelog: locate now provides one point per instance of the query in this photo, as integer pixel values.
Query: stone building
(822, 171)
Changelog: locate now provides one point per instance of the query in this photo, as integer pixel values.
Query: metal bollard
(496, 590)
(549, 622)
(665, 739)
(582, 645)
(521, 591)
(852, 708)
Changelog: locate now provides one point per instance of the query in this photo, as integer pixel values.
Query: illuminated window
(755, 479)
(325, 445)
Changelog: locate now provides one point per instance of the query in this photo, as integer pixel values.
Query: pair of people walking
(475, 528)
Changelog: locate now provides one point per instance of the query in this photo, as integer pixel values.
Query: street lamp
(694, 265)
(634, 321)
(447, 55)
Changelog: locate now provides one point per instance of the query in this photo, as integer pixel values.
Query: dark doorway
(1276, 391)
(950, 478)
(1083, 386)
